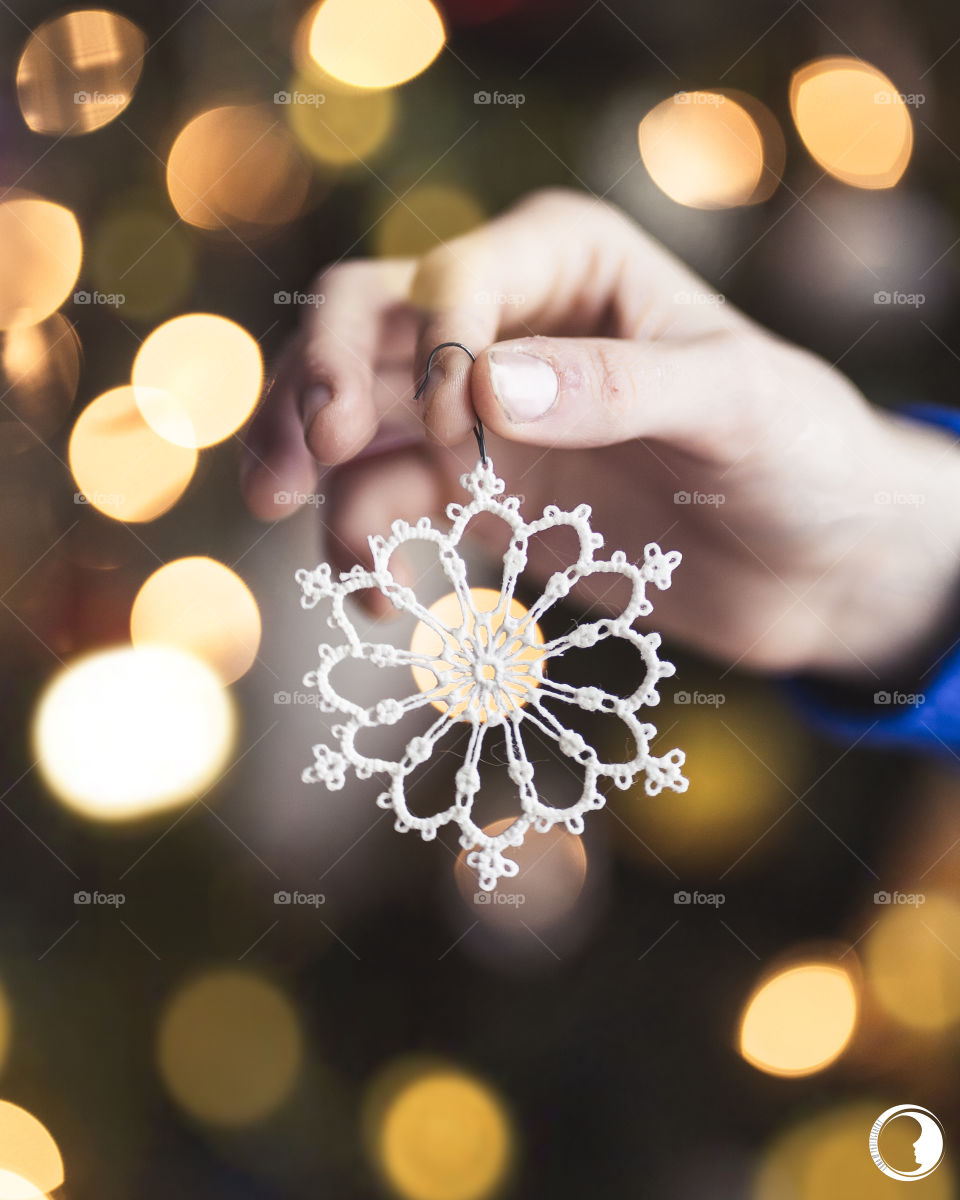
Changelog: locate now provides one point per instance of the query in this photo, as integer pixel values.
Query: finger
(341, 344)
(277, 471)
(703, 395)
(558, 263)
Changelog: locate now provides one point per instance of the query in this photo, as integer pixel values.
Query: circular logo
(927, 1147)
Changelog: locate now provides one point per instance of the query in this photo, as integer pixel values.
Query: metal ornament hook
(478, 427)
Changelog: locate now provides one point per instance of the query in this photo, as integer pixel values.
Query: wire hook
(478, 427)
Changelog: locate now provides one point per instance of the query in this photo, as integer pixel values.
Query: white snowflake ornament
(487, 668)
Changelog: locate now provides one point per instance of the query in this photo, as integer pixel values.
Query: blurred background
(220, 981)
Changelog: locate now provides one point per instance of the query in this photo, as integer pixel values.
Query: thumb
(579, 392)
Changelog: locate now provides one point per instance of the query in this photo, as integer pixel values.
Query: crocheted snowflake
(489, 670)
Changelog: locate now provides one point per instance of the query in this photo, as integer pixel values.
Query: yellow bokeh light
(852, 120)
(229, 1047)
(79, 71)
(552, 873)
(42, 250)
(203, 607)
(197, 379)
(735, 767)
(30, 1162)
(144, 258)
(428, 642)
(425, 217)
(443, 1135)
(127, 732)
(800, 1020)
(826, 1157)
(703, 149)
(375, 43)
(346, 129)
(912, 966)
(237, 167)
(120, 465)
(39, 371)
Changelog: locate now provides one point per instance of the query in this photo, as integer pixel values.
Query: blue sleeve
(927, 718)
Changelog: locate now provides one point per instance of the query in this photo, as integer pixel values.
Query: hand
(608, 373)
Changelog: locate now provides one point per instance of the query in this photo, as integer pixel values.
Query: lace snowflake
(491, 673)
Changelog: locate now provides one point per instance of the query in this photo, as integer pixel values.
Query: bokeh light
(424, 217)
(6, 1026)
(79, 71)
(441, 1134)
(238, 167)
(853, 121)
(143, 257)
(197, 379)
(39, 371)
(912, 966)
(127, 732)
(826, 1157)
(343, 130)
(375, 43)
(42, 250)
(202, 606)
(229, 1047)
(30, 1162)
(429, 643)
(734, 765)
(800, 1020)
(552, 873)
(703, 149)
(121, 466)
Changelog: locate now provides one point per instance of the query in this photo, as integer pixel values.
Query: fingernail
(525, 386)
(312, 399)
